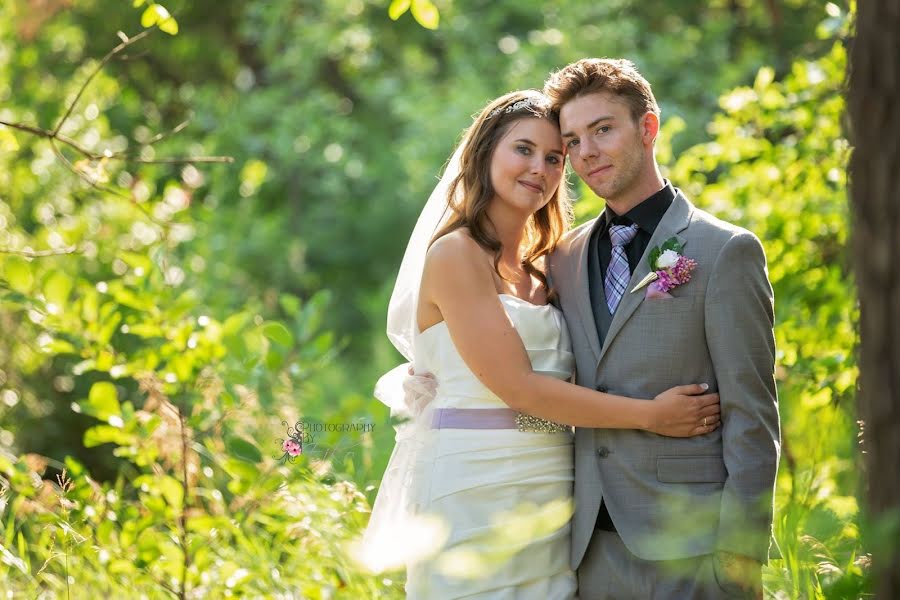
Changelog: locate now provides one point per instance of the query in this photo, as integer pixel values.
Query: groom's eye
(603, 129)
(571, 143)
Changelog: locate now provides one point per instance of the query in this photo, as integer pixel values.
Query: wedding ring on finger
(704, 421)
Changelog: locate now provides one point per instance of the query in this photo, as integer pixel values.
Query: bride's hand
(685, 411)
(418, 390)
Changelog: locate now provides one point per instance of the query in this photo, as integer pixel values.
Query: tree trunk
(874, 108)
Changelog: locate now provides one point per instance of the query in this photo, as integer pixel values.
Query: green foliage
(161, 320)
(423, 11)
(247, 532)
(178, 395)
(157, 15)
(776, 165)
(189, 403)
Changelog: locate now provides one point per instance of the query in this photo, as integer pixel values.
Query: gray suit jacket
(673, 498)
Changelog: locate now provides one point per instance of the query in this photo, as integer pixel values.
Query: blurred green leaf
(172, 491)
(56, 346)
(157, 14)
(290, 304)
(18, 273)
(102, 401)
(57, 288)
(169, 26)
(397, 8)
(426, 13)
(278, 333)
(243, 449)
(105, 434)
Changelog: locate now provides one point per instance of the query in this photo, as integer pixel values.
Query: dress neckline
(502, 295)
(524, 300)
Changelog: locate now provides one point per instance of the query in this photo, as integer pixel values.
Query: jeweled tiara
(533, 104)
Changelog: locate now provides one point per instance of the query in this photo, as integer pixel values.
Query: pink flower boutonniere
(669, 268)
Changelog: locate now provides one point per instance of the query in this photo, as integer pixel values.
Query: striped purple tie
(617, 274)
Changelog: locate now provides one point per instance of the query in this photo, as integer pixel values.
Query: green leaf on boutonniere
(670, 244)
(654, 254)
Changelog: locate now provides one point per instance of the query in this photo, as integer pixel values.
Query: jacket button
(603, 451)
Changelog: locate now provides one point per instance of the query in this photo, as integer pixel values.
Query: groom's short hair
(617, 76)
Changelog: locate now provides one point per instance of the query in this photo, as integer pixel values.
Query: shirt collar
(646, 215)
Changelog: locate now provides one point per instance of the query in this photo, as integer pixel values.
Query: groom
(659, 517)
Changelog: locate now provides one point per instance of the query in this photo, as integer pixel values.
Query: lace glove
(418, 391)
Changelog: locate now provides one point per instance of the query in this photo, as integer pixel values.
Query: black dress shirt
(647, 216)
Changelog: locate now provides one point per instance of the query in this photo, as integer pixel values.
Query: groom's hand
(741, 572)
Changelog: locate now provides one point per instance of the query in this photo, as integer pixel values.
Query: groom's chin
(599, 191)
(597, 187)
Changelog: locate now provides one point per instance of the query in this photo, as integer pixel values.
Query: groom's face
(605, 145)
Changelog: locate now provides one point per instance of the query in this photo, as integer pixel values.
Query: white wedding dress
(504, 494)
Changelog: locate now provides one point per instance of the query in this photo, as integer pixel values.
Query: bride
(477, 495)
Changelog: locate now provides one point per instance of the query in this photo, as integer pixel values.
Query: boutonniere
(669, 268)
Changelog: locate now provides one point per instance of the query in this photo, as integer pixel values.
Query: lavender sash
(474, 418)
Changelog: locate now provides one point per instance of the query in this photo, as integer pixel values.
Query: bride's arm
(457, 281)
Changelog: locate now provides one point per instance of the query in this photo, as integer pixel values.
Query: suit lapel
(581, 281)
(673, 222)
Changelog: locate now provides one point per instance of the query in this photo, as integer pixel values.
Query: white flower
(667, 259)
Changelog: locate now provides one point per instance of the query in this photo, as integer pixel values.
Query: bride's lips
(532, 186)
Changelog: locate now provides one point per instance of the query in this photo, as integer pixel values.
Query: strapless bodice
(544, 335)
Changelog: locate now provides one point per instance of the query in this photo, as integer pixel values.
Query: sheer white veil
(401, 322)
(397, 535)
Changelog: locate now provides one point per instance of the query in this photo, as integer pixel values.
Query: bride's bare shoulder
(456, 260)
(455, 247)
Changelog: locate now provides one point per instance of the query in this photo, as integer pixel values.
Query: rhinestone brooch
(532, 424)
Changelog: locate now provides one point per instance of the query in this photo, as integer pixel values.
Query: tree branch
(53, 136)
(39, 253)
(125, 43)
(109, 190)
(124, 156)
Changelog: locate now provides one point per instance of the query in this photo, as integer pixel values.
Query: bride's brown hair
(470, 193)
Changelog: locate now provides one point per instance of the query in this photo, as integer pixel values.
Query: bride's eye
(524, 150)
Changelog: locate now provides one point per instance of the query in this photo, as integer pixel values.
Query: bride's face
(527, 164)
